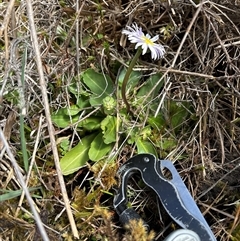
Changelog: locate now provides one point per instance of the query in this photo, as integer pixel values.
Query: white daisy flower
(136, 35)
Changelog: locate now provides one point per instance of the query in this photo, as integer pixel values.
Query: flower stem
(126, 78)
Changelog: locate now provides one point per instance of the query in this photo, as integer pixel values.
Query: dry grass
(201, 66)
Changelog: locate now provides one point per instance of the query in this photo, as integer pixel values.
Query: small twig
(163, 94)
(48, 118)
(183, 72)
(217, 210)
(228, 45)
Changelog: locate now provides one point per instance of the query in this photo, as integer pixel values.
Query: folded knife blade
(173, 193)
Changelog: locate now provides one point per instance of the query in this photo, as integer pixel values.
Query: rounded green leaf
(98, 148)
(91, 123)
(77, 156)
(109, 126)
(100, 86)
(62, 120)
(145, 147)
(134, 78)
(72, 110)
(149, 84)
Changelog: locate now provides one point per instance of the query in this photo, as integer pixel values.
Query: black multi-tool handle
(149, 168)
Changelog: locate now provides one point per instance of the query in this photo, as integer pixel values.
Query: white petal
(159, 50)
(148, 36)
(155, 38)
(138, 45)
(126, 32)
(133, 40)
(153, 52)
(135, 35)
(144, 47)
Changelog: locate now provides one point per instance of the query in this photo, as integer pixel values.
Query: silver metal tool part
(182, 235)
(173, 194)
(185, 195)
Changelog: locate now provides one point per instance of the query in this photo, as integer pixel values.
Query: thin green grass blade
(10, 194)
(22, 110)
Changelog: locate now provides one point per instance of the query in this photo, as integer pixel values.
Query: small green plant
(103, 121)
(110, 124)
(167, 31)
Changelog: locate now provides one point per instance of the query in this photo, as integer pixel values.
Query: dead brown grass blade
(24, 187)
(48, 117)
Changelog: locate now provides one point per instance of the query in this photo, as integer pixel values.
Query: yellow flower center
(147, 40)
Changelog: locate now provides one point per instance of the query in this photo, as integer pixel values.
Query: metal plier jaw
(173, 194)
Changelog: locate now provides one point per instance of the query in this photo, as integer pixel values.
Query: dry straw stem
(7, 17)
(48, 118)
(24, 187)
(31, 164)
